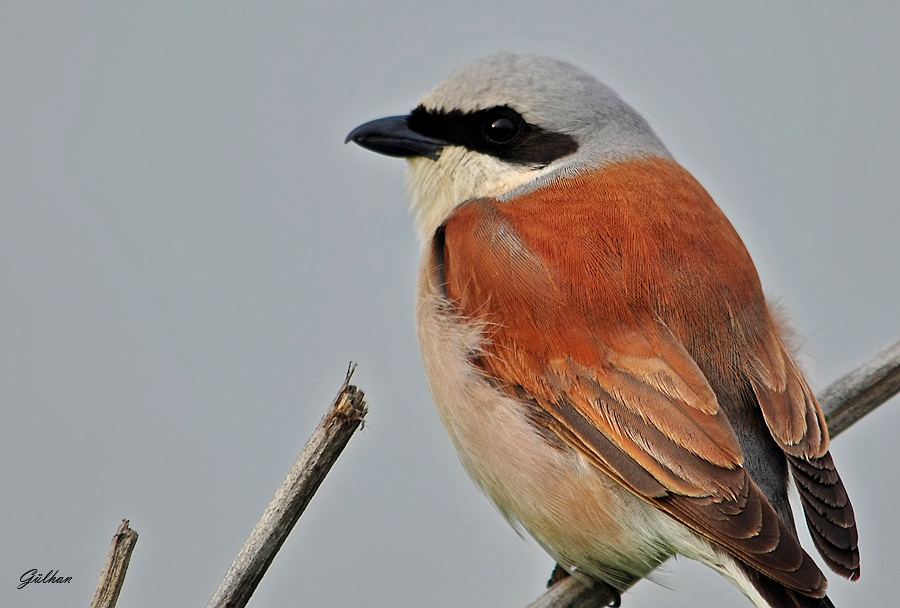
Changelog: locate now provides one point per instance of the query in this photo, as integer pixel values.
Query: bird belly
(578, 514)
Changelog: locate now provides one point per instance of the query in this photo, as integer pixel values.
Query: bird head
(502, 125)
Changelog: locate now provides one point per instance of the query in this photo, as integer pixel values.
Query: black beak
(393, 137)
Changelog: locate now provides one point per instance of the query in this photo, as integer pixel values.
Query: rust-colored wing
(610, 303)
(795, 419)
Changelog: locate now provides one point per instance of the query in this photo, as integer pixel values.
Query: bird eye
(500, 129)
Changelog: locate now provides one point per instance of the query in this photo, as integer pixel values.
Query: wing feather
(587, 305)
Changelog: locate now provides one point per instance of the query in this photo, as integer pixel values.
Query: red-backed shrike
(597, 341)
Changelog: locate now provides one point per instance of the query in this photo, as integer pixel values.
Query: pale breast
(581, 516)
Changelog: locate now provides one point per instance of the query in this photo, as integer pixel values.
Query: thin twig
(571, 592)
(113, 574)
(844, 402)
(856, 394)
(322, 450)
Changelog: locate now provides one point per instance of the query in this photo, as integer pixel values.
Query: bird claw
(559, 573)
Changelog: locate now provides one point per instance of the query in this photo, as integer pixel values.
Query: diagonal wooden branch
(859, 392)
(321, 452)
(113, 574)
(844, 402)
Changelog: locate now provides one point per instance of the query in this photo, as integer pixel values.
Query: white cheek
(437, 187)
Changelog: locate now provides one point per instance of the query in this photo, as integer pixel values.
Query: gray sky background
(190, 256)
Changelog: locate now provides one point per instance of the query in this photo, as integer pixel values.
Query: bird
(597, 342)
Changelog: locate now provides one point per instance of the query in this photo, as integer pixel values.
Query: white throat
(437, 187)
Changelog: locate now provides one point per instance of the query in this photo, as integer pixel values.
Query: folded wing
(592, 302)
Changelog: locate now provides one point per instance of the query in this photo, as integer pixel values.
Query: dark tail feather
(779, 596)
(829, 515)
